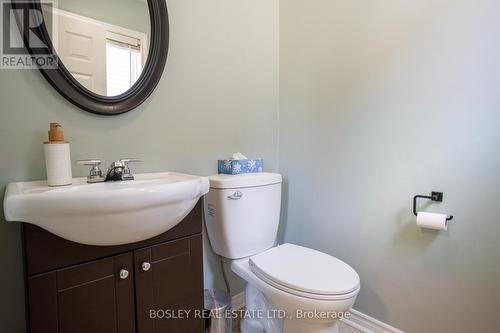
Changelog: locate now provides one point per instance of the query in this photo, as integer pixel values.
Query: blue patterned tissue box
(235, 167)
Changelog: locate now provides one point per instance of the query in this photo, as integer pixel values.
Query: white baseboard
(357, 320)
(367, 324)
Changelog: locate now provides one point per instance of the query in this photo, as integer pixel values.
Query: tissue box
(235, 167)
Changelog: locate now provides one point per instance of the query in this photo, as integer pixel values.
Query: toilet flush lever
(235, 196)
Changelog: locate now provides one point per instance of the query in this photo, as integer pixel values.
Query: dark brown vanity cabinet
(90, 297)
(172, 283)
(74, 288)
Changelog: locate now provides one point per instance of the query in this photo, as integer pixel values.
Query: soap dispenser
(57, 157)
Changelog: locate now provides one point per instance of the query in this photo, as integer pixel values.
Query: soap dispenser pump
(57, 157)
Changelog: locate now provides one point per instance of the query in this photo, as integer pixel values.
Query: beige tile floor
(343, 328)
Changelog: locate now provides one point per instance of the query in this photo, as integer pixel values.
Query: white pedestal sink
(109, 213)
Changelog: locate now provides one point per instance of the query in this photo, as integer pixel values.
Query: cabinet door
(173, 281)
(86, 298)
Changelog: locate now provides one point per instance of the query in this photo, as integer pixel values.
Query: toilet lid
(306, 270)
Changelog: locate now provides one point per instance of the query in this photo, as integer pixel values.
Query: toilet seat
(305, 272)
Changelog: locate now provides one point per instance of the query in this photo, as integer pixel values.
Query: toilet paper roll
(58, 164)
(432, 221)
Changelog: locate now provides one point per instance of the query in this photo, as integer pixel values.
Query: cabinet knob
(123, 274)
(145, 266)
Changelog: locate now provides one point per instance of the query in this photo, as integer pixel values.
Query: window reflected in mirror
(123, 66)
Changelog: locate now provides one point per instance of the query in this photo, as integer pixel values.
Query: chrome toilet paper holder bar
(435, 196)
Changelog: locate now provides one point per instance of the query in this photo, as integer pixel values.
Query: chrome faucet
(117, 171)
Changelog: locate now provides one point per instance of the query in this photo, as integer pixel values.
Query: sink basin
(109, 213)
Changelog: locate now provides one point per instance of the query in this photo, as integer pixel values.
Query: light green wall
(131, 14)
(382, 100)
(218, 95)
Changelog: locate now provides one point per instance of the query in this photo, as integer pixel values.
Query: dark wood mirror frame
(74, 92)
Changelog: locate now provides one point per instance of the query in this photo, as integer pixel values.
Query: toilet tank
(242, 213)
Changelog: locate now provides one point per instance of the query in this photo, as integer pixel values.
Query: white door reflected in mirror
(103, 44)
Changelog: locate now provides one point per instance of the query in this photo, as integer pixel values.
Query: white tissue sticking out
(432, 221)
(239, 156)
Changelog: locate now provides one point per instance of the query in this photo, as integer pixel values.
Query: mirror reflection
(103, 43)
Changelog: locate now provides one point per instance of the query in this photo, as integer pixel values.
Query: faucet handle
(127, 175)
(95, 175)
(89, 162)
(126, 161)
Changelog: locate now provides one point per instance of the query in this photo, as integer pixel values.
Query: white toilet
(289, 288)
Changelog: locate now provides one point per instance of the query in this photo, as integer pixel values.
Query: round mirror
(102, 43)
(109, 54)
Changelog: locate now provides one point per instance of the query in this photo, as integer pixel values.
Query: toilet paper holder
(435, 196)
